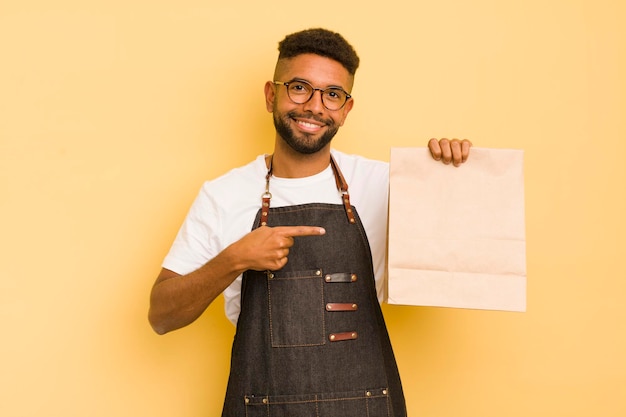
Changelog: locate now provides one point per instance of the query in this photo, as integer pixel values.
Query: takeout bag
(457, 235)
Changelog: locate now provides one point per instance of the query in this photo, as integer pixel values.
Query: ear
(345, 110)
(270, 96)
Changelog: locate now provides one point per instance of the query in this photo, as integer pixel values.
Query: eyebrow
(309, 82)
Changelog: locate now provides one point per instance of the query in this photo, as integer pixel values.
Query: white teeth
(309, 125)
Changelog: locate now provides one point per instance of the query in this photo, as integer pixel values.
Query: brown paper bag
(457, 235)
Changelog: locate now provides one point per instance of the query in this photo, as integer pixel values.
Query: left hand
(455, 150)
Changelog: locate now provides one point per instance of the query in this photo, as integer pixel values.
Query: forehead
(318, 70)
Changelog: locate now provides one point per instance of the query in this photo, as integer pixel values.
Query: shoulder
(237, 182)
(358, 160)
(358, 169)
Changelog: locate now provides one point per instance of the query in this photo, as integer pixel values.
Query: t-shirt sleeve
(197, 240)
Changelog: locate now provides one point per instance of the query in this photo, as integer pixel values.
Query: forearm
(178, 300)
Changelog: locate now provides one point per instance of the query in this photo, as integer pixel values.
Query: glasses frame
(313, 90)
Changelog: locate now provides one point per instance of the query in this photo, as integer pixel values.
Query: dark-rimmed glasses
(299, 91)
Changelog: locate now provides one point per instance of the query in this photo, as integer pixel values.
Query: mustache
(294, 115)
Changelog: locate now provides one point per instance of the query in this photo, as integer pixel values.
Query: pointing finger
(293, 231)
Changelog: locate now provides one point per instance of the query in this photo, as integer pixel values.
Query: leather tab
(267, 196)
(265, 209)
(342, 307)
(338, 337)
(340, 277)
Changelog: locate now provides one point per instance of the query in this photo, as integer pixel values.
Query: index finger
(293, 231)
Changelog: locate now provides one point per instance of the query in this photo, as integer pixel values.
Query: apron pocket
(296, 308)
(365, 403)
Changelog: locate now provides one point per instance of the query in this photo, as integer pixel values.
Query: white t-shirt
(225, 209)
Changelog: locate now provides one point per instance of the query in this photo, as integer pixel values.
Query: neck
(287, 163)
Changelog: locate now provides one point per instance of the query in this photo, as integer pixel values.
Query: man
(304, 286)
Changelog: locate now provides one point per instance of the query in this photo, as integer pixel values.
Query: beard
(303, 143)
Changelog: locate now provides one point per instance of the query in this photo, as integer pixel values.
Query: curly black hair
(321, 42)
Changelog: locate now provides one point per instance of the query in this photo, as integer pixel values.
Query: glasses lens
(334, 98)
(299, 92)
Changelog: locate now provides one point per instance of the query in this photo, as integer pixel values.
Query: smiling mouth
(308, 125)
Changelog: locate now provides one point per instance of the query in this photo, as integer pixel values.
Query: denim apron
(311, 340)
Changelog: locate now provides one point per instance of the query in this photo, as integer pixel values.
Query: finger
(435, 149)
(465, 149)
(455, 148)
(292, 231)
(282, 253)
(446, 151)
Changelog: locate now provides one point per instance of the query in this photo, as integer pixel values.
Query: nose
(315, 104)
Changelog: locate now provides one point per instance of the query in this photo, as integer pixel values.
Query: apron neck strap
(342, 186)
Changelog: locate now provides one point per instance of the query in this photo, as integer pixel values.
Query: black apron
(311, 339)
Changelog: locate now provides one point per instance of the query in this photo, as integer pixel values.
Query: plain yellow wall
(112, 113)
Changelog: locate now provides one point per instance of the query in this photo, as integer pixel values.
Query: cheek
(342, 119)
(344, 113)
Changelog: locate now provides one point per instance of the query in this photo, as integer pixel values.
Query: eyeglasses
(300, 92)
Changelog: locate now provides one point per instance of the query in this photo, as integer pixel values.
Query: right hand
(267, 248)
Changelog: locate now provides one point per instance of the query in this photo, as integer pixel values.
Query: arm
(178, 300)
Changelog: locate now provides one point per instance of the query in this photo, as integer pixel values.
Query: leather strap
(342, 307)
(340, 277)
(338, 337)
(342, 186)
(267, 196)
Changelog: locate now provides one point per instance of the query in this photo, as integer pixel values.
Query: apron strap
(342, 186)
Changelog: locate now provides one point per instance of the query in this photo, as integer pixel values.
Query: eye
(335, 94)
(299, 88)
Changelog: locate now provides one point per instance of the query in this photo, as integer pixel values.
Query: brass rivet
(247, 400)
(354, 306)
(265, 205)
(369, 394)
(353, 277)
(384, 392)
(349, 210)
(332, 337)
(352, 220)
(329, 307)
(353, 335)
(263, 224)
(264, 400)
(318, 272)
(328, 278)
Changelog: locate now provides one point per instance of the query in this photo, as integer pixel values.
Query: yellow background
(112, 113)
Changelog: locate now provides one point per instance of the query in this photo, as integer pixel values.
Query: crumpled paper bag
(457, 235)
